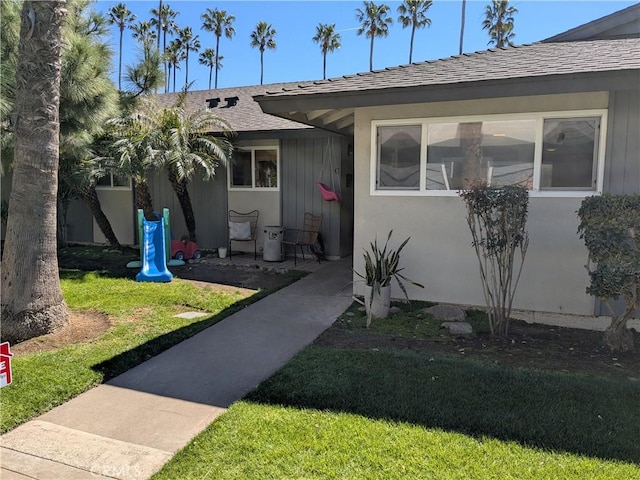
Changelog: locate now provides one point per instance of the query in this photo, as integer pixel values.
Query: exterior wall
(439, 254)
(80, 223)
(266, 202)
(302, 160)
(117, 205)
(209, 201)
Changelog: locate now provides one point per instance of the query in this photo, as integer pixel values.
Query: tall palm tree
(375, 23)
(165, 17)
(263, 37)
(32, 302)
(188, 42)
(498, 20)
(120, 15)
(414, 13)
(156, 21)
(464, 10)
(172, 57)
(144, 33)
(187, 147)
(218, 22)
(209, 59)
(329, 41)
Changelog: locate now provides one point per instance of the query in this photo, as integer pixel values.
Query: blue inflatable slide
(154, 249)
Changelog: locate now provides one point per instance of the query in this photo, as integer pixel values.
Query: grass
(397, 414)
(143, 325)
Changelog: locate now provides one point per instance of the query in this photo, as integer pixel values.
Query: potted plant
(380, 267)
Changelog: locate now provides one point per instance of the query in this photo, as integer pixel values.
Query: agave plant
(382, 265)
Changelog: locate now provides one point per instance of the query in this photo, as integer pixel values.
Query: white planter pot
(222, 252)
(379, 305)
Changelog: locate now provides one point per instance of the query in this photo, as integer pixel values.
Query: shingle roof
(246, 115)
(525, 61)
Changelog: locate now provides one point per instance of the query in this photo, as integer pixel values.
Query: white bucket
(222, 252)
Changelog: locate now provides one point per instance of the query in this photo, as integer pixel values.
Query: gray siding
(209, 200)
(622, 160)
(80, 223)
(302, 160)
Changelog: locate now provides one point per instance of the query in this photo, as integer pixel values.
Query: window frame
(538, 117)
(252, 187)
(114, 187)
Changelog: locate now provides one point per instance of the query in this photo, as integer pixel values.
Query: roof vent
(231, 102)
(212, 102)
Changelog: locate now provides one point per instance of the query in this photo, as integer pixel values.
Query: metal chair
(243, 227)
(308, 236)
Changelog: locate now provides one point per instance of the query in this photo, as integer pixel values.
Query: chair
(308, 236)
(243, 227)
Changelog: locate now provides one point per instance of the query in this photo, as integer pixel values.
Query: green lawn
(397, 414)
(143, 325)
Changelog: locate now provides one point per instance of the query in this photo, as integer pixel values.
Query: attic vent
(231, 101)
(212, 102)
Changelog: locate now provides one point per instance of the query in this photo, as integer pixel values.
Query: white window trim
(113, 187)
(253, 187)
(539, 117)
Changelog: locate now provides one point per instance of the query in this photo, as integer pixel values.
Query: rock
(446, 313)
(362, 309)
(393, 310)
(458, 328)
(350, 314)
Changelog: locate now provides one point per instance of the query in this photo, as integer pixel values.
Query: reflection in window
(497, 152)
(111, 180)
(241, 169)
(266, 168)
(399, 154)
(569, 153)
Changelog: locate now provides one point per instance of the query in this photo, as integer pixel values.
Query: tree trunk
(143, 199)
(471, 143)
(182, 192)
(617, 336)
(464, 8)
(32, 302)
(89, 195)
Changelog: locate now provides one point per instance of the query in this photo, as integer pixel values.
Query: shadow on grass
(588, 416)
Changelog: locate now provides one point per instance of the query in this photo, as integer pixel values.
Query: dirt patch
(82, 327)
(220, 287)
(528, 346)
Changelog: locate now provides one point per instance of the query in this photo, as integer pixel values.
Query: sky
(298, 58)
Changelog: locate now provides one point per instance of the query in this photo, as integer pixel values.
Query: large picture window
(254, 168)
(113, 180)
(546, 152)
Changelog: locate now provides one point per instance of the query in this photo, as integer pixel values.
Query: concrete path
(129, 427)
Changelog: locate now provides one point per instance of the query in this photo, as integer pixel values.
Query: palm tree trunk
(371, 55)
(186, 69)
(261, 65)
(32, 302)
(210, 72)
(324, 65)
(175, 67)
(120, 60)
(217, 55)
(182, 192)
(89, 195)
(165, 62)
(464, 8)
(413, 32)
(143, 199)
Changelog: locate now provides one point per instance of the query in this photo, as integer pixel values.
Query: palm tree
(156, 21)
(165, 20)
(414, 13)
(187, 146)
(188, 42)
(143, 32)
(329, 41)
(121, 16)
(172, 57)
(32, 302)
(209, 59)
(374, 24)
(464, 9)
(263, 38)
(218, 22)
(499, 22)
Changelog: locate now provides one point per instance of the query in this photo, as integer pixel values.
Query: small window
(113, 180)
(399, 154)
(255, 168)
(570, 153)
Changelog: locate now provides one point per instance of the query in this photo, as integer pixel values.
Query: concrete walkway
(129, 427)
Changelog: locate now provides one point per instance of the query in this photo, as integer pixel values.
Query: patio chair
(308, 236)
(243, 227)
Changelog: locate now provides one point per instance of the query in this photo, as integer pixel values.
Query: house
(561, 117)
(277, 163)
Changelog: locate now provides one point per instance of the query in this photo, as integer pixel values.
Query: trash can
(272, 249)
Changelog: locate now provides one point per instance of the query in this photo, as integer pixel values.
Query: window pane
(399, 157)
(499, 153)
(104, 181)
(267, 168)
(569, 153)
(241, 169)
(120, 181)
